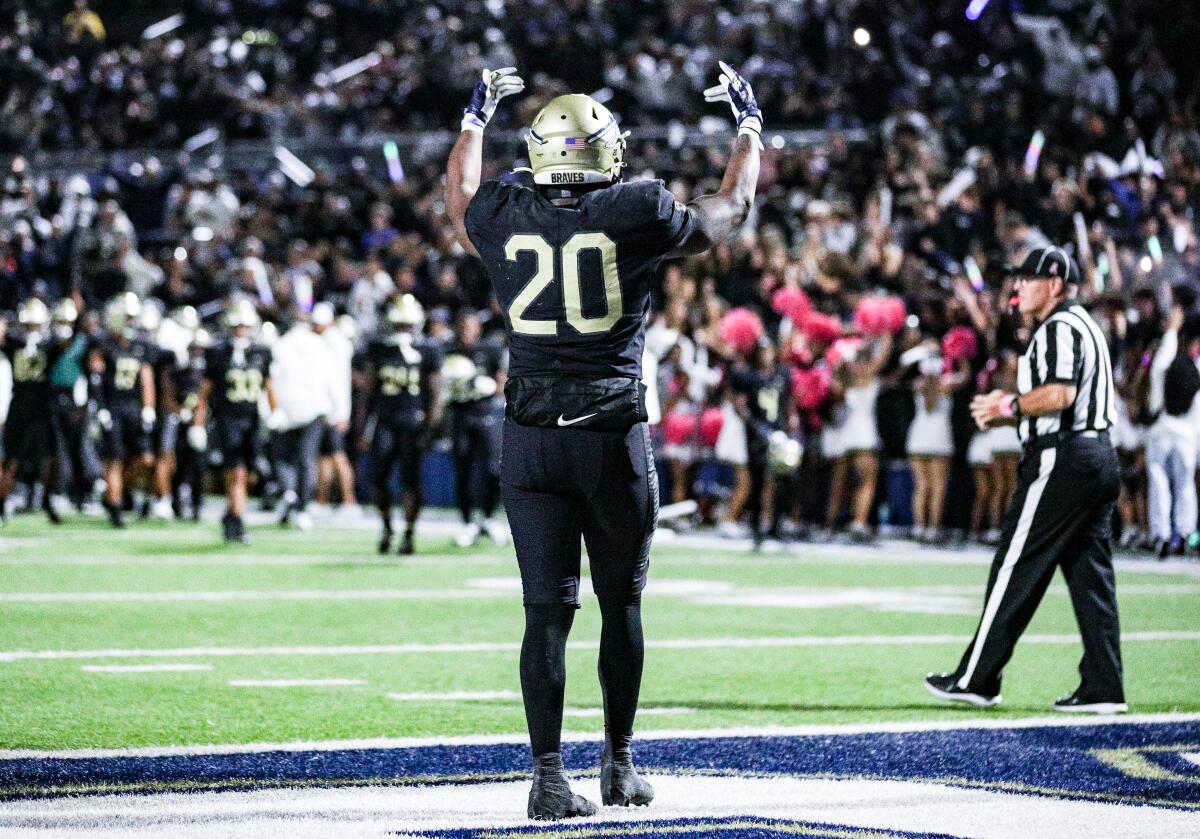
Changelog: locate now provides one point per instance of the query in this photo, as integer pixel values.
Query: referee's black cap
(1046, 264)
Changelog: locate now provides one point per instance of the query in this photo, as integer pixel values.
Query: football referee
(1061, 515)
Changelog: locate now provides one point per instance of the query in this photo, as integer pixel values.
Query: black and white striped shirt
(1068, 348)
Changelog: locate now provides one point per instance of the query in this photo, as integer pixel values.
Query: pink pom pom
(741, 329)
(679, 428)
(959, 343)
(879, 315)
(711, 422)
(792, 303)
(820, 328)
(810, 386)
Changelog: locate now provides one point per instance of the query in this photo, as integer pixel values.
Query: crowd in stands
(868, 284)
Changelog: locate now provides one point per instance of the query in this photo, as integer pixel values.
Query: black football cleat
(407, 548)
(385, 541)
(116, 515)
(945, 686)
(551, 798)
(1077, 704)
(620, 784)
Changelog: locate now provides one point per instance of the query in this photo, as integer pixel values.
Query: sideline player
(119, 365)
(1061, 515)
(476, 426)
(404, 401)
(32, 353)
(571, 262)
(236, 374)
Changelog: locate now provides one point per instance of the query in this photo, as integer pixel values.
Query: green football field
(162, 635)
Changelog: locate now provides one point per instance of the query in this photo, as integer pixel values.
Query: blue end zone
(1126, 763)
(743, 827)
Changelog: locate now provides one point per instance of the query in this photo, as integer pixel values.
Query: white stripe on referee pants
(1015, 547)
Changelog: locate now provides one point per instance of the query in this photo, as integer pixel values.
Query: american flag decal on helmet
(576, 142)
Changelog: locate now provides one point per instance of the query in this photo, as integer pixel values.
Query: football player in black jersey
(475, 371)
(32, 353)
(179, 465)
(403, 398)
(571, 262)
(762, 390)
(236, 374)
(122, 383)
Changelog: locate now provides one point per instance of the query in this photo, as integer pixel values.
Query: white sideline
(145, 668)
(221, 596)
(455, 696)
(904, 727)
(505, 646)
(295, 683)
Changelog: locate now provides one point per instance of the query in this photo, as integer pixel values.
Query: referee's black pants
(1061, 516)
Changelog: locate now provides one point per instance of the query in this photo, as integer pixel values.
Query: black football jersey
(238, 378)
(767, 394)
(123, 362)
(401, 371)
(574, 282)
(31, 363)
(187, 381)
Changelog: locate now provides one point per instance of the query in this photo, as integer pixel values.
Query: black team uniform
(577, 459)
(476, 427)
(27, 432)
(125, 437)
(767, 396)
(238, 376)
(400, 405)
(189, 463)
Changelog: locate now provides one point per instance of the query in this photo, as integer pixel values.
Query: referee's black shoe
(1077, 704)
(945, 686)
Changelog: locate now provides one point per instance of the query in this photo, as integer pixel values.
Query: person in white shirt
(333, 441)
(303, 370)
(1171, 440)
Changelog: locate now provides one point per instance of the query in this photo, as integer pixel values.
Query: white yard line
(943, 599)
(229, 596)
(455, 696)
(504, 646)
(642, 712)
(826, 730)
(295, 683)
(145, 668)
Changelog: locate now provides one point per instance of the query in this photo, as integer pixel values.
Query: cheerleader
(858, 381)
(930, 445)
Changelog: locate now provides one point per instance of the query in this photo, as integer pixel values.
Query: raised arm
(719, 214)
(465, 166)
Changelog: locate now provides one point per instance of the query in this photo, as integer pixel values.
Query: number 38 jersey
(238, 378)
(574, 282)
(123, 362)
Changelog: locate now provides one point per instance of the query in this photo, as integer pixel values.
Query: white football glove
(276, 420)
(197, 437)
(735, 90)
(148, 417)
(492, 87)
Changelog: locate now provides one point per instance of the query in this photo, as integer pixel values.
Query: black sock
(622, 650)
(544, 673)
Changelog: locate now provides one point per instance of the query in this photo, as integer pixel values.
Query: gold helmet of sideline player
(121, 314)
(33, 315)
(406, 313)
(574, 141)
(241, 313)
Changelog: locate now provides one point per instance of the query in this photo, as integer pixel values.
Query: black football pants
(1061, 517)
